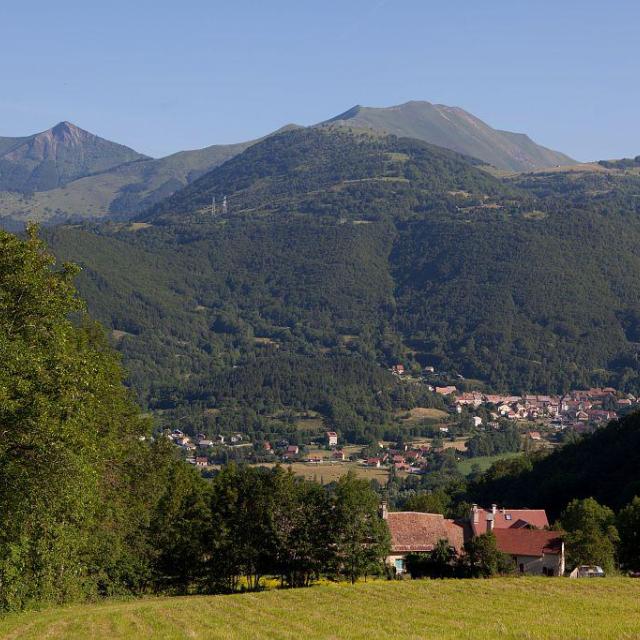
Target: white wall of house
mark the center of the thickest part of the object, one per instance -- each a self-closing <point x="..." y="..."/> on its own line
<point x="539" y="565"/>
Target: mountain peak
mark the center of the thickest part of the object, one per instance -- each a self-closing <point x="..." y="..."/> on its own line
<point x="66" y="132"/>
<point x="63" y="153"/>
<point x="456" y="129"/>
<point x="65" y="125"/>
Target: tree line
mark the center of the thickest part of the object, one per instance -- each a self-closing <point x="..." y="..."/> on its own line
<point x="250" y="522"/>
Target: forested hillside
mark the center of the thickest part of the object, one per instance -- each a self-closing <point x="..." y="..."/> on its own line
<point x="347" y="251"/>
<point x="337" y="172"/>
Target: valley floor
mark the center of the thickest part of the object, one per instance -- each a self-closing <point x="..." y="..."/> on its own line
<point x="524" y="608"/>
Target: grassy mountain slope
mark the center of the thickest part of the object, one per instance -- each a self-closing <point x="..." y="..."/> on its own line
<point x="456" y="129"/>
<point x="428" y="609"/>
<point x="352" y="247"/>
<point x="57" y="156"/>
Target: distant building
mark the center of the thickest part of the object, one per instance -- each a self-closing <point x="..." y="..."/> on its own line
<point x="332" y="438"/>
<point x="446" y="391"/>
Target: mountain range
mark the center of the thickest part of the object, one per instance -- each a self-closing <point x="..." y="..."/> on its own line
<point x="346" y="250"/>
<point x="67" y="174"/>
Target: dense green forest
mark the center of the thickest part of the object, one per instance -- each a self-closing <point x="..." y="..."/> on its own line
<point x="344" y="252"/>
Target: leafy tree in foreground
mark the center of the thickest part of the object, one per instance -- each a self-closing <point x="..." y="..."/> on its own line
<point x="437" y="564"/>
<point x="483" y="559"/>
<point x="591" y="533"/>
<point x="180" y="530"/>
<point x="70" y="516"/>
<point x="629" y="529"/>
<point x="361" y="536"/>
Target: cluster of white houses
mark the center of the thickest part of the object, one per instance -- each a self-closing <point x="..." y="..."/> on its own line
<point x="522" y="534"/>
<point x="576" y="408"/>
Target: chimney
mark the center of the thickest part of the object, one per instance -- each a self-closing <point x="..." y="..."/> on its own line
<point x="383" y="510"/>
<point x="494" y="509"/>
<point x="490" y="522"/>
<point x="475" y="516"/>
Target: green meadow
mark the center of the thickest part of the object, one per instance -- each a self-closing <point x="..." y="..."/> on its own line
<point x="523" y="608"/>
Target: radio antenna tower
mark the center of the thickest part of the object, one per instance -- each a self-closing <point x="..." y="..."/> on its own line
<point x="224" y="205"/>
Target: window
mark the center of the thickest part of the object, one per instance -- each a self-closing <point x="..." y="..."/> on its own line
<point x="399" y="565"/>
<point x="507" y="516"/>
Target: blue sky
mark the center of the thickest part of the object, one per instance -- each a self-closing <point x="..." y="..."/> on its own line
<point x="163" y="76"/>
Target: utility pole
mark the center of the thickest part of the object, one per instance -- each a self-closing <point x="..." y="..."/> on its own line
<point x="213" y="206"/>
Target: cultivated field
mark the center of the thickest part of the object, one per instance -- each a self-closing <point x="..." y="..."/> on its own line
<point x="418" y="414"/>
<point x="523" y="608"/>
<point x="330" y="472"/>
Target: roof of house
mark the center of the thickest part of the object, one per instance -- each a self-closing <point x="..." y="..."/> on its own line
<point x="506" y="518"/>
<point x="413" y="531"/>
<point x="528" y="542"/>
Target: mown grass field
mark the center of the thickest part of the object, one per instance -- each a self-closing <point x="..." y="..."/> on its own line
<point x="484" y="462"/>
<point x="523" y="608"/>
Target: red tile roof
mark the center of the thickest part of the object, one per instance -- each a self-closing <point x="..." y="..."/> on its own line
<point x="528" y="542"/>
<point x="506" y="518"/>
<point x="412" y="531"/>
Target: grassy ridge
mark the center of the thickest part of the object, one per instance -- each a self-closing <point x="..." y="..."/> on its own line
<point x="509" y="608"/>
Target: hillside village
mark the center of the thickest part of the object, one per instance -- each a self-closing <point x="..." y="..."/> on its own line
<point x="540" y="419"/>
